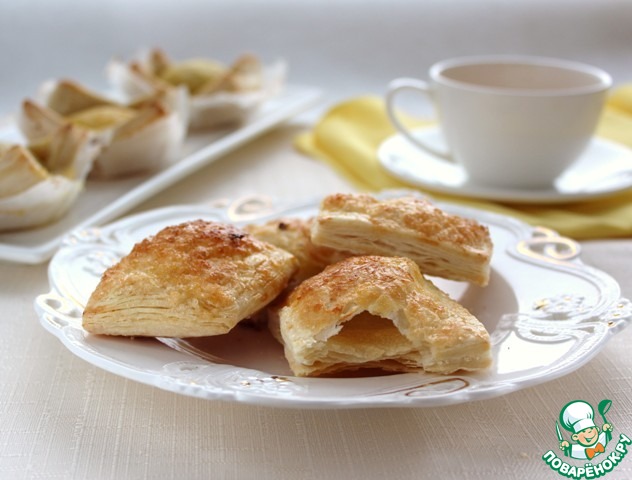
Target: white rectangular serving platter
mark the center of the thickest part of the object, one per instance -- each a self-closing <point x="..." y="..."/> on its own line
<point x="102" y="201"/>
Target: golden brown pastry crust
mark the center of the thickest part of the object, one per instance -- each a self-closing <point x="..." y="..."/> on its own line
<point x="294" y="236"/>
<point x="441" y="244"/>
<point x="194" y="279"/>
<point x="372" y="311"/>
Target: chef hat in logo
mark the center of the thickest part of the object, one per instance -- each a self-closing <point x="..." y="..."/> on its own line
<point x="576" y="416"/>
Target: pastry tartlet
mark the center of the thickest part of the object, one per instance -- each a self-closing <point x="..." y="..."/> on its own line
<point x="140" y="136"/>
<point x="38" y="185"/>
<point x="219" y="94"/>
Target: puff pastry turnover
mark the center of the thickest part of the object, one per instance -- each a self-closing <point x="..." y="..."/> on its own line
<point x="442" y="244"/>
<point x="294" y="235"/>
<point x="378" y="312"/>
<point x="194" y="279"/>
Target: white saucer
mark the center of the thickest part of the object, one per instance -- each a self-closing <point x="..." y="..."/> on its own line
<point x="603" y="169"/>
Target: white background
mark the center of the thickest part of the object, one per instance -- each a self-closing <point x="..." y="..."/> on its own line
<point x="61" y="418"/>
<point x="345" y="46"/>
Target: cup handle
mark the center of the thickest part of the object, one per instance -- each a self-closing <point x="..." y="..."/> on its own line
<point x="396" y="86"/>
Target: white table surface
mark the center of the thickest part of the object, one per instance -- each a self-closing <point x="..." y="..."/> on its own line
<point x="62" y="418"/>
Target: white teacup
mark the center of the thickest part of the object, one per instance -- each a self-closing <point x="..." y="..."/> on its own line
<point x="510" y="121"/>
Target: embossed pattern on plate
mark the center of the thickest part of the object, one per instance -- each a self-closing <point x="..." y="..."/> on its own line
<point x="547" y="313"/>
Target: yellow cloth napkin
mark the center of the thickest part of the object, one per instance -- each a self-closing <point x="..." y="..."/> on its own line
<point x="348" y="135"/>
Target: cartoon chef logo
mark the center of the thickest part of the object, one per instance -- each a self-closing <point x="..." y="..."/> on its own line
<point x="578" y="417"/>
<point x="587" y="442"/>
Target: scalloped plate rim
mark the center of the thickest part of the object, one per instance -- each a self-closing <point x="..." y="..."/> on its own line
<point x="271" y="398"/>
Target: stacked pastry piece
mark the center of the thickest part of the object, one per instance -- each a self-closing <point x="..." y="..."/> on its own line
<point x="345" y="290"/>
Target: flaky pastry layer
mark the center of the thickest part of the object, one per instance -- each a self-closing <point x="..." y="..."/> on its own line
<point x="373" y="311"/>
<point x="194" y="279"/>
<point x="442" y="244"/>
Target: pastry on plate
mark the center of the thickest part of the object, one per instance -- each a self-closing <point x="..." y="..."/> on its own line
<point x="194" y="279"/>
<point x="442" y="244"/>
<point x="377" y="312"/>
<point x="219" y="94"/>
<point x="294" y="235"/>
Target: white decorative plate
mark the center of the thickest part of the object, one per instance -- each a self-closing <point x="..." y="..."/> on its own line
<point x="102" y="201"/>
<point x="605" y="168"/>
<point x="547" y="312"/>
